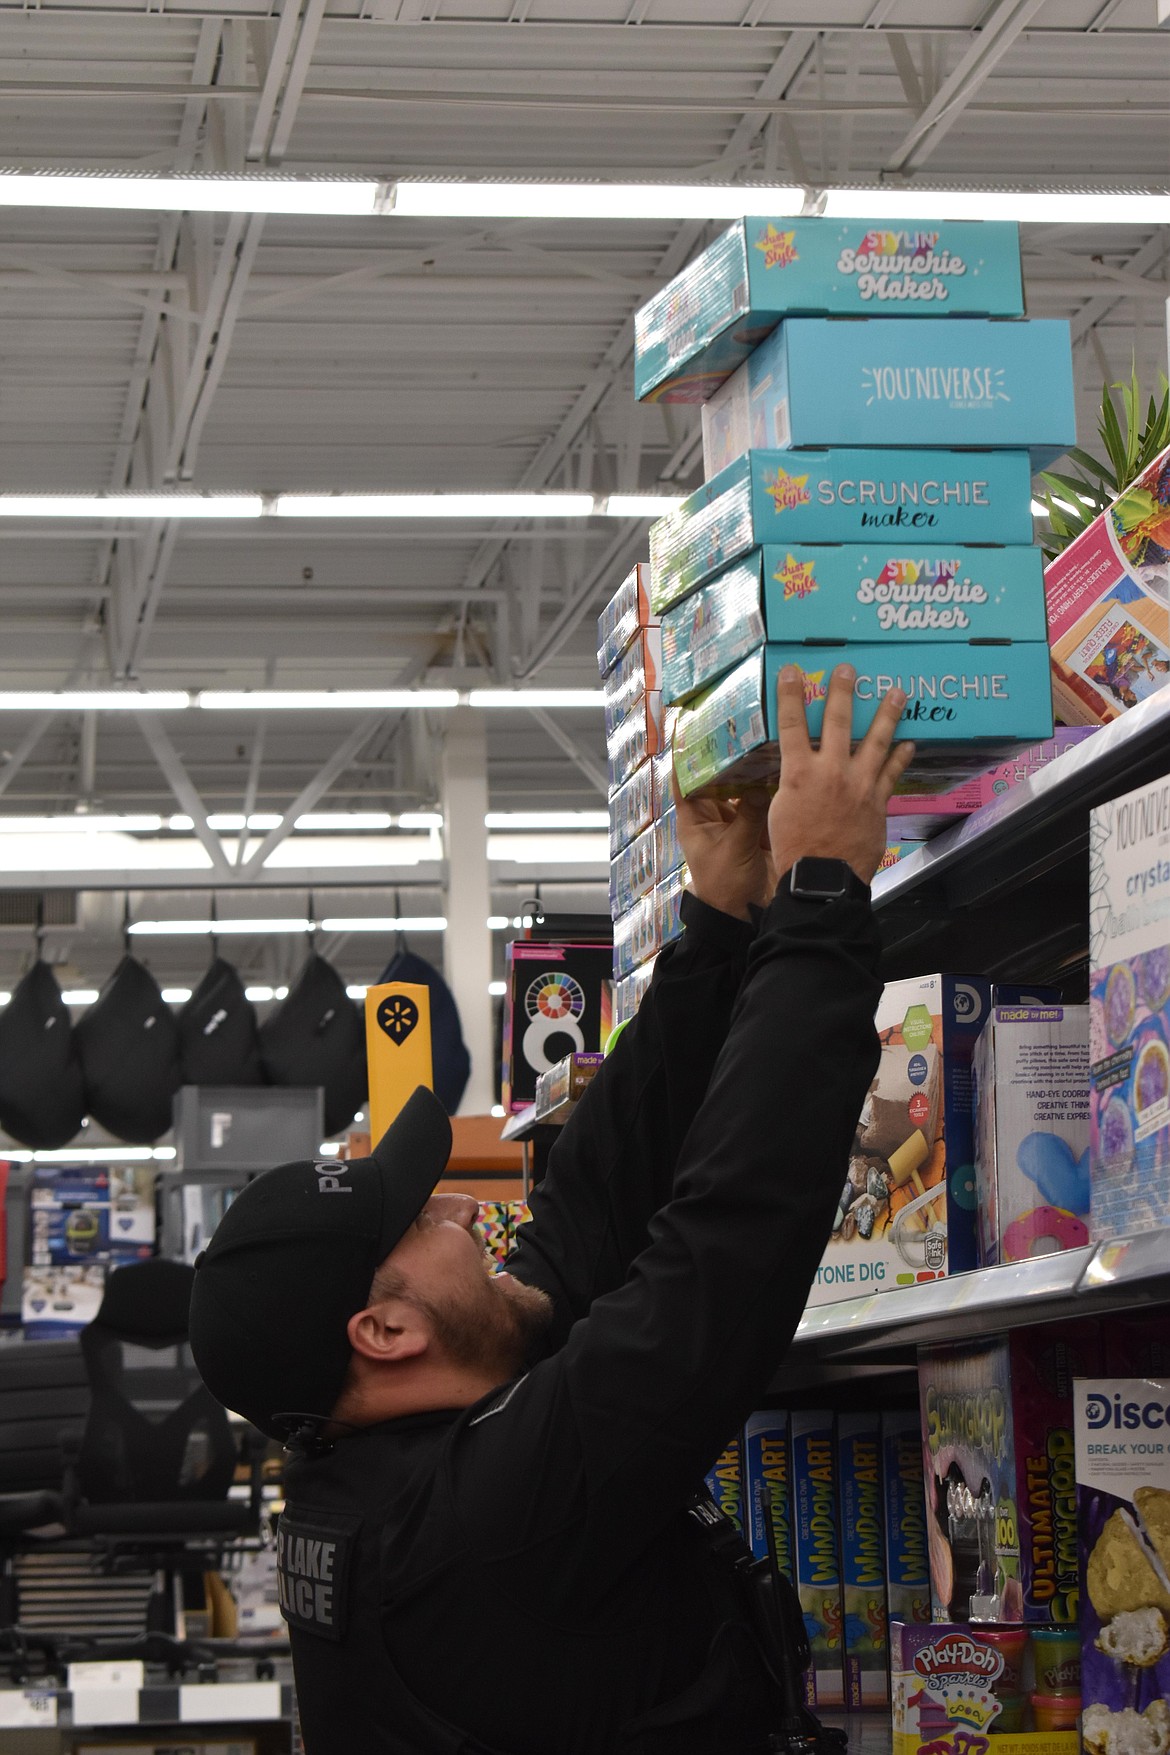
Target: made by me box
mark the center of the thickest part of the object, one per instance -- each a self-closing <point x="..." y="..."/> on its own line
<point x="956" y="1691"/>
<point x="689" y="336"/>
<point x="907" y="1210"/>
<point x="1123" y="1502"/>
<point x="966" y="706"/>
<point x="907" y="1566"/>
<point x="1129" y="1011"/>
<point x="840" y="496"/>
<point x="863" y="1560"/>
<point x="997" y="1448"/>
<point x="1032" y="1131"/>
<point x="1108" y="596"/>
<point x="817" y="1554"/>
<point x="828" y="595"/>
<point x="869" y="381"/>
<point x="627" y="611"/>
<point x="558" y="1003"/>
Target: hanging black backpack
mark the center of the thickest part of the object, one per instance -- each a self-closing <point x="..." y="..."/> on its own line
<point x="128" y="1044"/>
<point x="219" y="1038"/>
<point x="42" y="1092"/>
<point x="317" y="1036"/>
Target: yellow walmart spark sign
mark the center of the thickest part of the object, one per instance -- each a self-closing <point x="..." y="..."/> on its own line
<point x="398" y="1045"/>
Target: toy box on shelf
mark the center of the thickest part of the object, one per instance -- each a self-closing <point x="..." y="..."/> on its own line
<point x="816" y="1552"/>
<point x="638" y="672"/>
<point x="1109" y="604"/>
<point x="918" y="812"/>
<point x="840" y="496"/>
<point x="1129" y="1011"/>
<point x="966" y="706"/>
<point x="697" y="329"/>
<point x="958" y="1689"/>
<point x="559" y="1002"/>
<point x="863" y="1569"/>
<point x="1032" y="1131"/>
<point x="997" y="1446"/>
<point x="907" y="1566"/>
<point x="821" y="381"/>
<point x="1123" y="1498"/>
<point x="627" y="611"/>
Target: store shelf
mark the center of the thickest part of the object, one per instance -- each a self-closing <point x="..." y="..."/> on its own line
<point x="524" y="1125"/>
<point x="170" y="1704"/>
<point x="1007" y="890"/>
<point x="1109" y="1276"/>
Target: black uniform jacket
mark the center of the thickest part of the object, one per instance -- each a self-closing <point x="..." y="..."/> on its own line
<point x="522" y="1567"/>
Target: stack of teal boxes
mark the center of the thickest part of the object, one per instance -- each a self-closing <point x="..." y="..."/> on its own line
<point x="868" y="488"/>
<point x="646" y="874"/>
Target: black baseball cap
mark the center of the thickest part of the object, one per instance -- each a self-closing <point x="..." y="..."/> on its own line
<point x="292" y="1260"/>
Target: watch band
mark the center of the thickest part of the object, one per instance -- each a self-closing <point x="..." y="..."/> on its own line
<point x="823" y="880"/>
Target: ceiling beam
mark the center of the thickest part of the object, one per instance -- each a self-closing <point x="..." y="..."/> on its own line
<point x="167" y="756"/>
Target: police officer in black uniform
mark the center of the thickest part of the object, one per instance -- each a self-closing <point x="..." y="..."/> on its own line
<point x="485" y="1548"/>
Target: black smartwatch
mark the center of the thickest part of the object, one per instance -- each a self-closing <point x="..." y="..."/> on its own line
<point x="824" y="880"/>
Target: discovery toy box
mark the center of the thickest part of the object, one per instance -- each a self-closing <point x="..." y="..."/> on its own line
<point x="966" y="706"/>
<point x="817" y="1558"/>
<point x="1032" y="1131"/>
<point x="690" y="335"/>
<point x="828" y="596"/>
<point x="627" y="611"/>
<point x="1129" y="1017"/>
<point x="907" y="1570"/>
<point x="997" y="1448"/>
<point x="907" y="1209"/>
<point x="1123" y="1499"/>
<point x="820" y="381"/>
<point x="957" y="1690"/>
<point x="1109" y="604"/>
<point x="840" y="496"/>
<point x="863" y="1571"/>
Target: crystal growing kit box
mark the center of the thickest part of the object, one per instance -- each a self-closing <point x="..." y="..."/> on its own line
<point x="870" y="381"/>
<point x="689" y="336"/>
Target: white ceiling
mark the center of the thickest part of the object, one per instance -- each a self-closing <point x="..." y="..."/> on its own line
<point x="381" y="354"/>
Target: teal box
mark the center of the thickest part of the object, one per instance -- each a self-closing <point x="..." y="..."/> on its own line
<point x="818" y="381"/>
<point x="839" y="496"/>
<point x="817" y="1559"/>
<point x="967" y="706"/>
<point x="863" y="1559"/>
<point x="829" y="596"/>
<point x="706" y="320"/>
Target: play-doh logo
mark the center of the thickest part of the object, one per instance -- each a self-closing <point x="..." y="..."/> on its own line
<point x="787" y="491"/>
<point x="815" y="687"/>
<point x="898" y="243"/>
<point x="798" y="578"/>
<point x="779" y="247"/>
<point x="955" y="1659"/>
<point x="958" y="386"/>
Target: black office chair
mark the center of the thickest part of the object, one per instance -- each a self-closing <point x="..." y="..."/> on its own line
<point x="145" y="1489"/>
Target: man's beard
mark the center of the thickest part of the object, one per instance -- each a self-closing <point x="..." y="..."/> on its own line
<point x="502" y="1333"/>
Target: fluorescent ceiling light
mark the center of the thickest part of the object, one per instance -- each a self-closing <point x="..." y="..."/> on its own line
<point x="176" y="995"/>
<point x="131" y="506"/>
<point x="420" y="819"/>
<point x="497" y="922"/>
<point x="385" y="923"/>
<point x="259" y="995"/>
<point x="228" y="823"/>
<point x="497" y="988"/>
<point x="329" y="1148"/>
<point x="357" y="993"/>
<point x="81" y="825"/>
<point x="536" y="698"/>
<point x="468" y="200"/>
<point x="94" y="1155"/>
<point x="196" y="194"/>
<point x="342" y="820"/>
<point x="550" y="849"/>
<point x="324" y="700"/>
<point x="503" y="505"/>
<point x="4" y="998"/>
<point x="79" y="995"/>
<point x="1029" y="206"/>
<point x="94" y="701"/>
<point x="215" y="928"/>
<point x="546" y="819"/>
<point x="641" y="505"/>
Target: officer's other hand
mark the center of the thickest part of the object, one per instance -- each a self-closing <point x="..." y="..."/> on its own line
<point x="726" y="846"/>
<point x="831" y="802"/>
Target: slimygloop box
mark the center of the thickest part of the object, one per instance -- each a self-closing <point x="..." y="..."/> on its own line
<point x="871" y="381"/>
<point x="1129" y="1011"/>
<point x="689" y="336"/>
<point x="839" y="496"/>
<point x="966" y="706"/>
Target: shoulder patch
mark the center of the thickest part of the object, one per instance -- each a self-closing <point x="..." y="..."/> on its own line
<point x="314" y="1557"/>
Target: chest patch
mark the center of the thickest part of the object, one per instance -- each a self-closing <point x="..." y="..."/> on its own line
<point x="314" y="1555"/>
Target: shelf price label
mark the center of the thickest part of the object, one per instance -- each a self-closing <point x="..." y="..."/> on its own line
<point x="27" y="1709"/>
